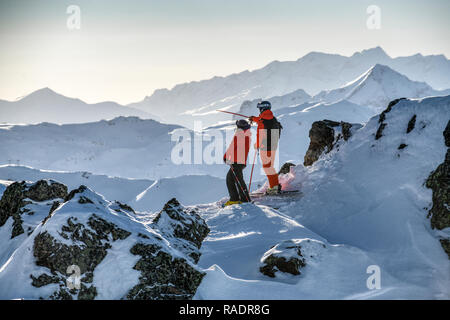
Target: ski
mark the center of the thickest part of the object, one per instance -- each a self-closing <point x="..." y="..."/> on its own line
<point x="281" y="194"/>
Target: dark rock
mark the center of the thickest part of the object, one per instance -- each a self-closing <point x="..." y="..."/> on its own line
<point x="286" y="168"/>
<point x="275" y="261"/>
<point x="439" y="182"/>
<point x="322" y="138"/>
<point x="388" y="109"/>
<point x="402" y="146"/>
<point x="84" y="200"/>
<point x="346" y="130"/>
<point x="72" y="193"/>
<point x="411" y="124"/>
<point x="43" y="280"/>
<point x="125" y="207"/>
<point x="273" y="264"/>
<point x="446" y="245"/>
<point x="163" y="277"/>
<point x="447" y="134"/>
<point x="88" y="250"/>
<point x="42" y="191"/>
<point x="379" y="132"/>
<point x="55" y="206"/>
<point x="382" y="117"/>
<point x="14" y="200"/>
<point x="182" y="224"/>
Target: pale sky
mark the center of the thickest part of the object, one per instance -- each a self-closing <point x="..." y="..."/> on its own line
<point x="126" y="49"/>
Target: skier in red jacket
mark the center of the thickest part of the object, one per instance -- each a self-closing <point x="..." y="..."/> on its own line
<point x="268" y="135"/>
<point x="236" y="156"/>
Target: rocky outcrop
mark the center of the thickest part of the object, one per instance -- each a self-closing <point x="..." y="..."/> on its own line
<point x="323" y="138"/>
<point x="183" y="226"/>
<point x="162" y="275"/>
<point x="289" y="256"/>
<point x="439" y="182"/>
<point x="90" y="243"/>
<point x="80" y="227"/>
<point x="19" y="194"/>
<point x="382" y="117"/>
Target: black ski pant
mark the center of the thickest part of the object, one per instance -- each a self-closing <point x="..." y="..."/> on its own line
<point x="236" y="184"/>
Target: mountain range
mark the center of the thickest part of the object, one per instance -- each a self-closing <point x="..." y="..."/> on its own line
<point x="313" y="73"/>
<point x="46" y="105"/>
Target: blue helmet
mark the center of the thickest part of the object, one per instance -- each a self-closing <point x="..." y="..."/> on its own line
<point x="243" y="124"/>
<point x="264" y="105"/>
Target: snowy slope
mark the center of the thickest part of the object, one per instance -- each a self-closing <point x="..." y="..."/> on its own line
<point x="189" y="190"/>
<point x="45" y="105"/>
<point x="368" y="198"/>
<point x="113" y="188"/>
<point x="125" y="147"/>
<point x="142" y="195"/>
<point x="314" y="72"/>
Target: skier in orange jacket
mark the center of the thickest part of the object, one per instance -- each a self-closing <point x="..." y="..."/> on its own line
<point x="267" y="137"/>
<point x="236" y="156"/>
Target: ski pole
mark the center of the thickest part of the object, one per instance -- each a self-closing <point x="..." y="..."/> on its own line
<point x="239" y="184"/>
<point x="236" y="114"/>
<point x="251" y="174"/>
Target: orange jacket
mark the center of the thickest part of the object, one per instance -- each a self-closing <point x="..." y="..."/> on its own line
<point x="261" y="135"/>
<point x="239" y="147"/>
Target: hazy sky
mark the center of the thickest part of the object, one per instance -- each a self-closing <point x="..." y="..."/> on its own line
<point x="126" y="49"/>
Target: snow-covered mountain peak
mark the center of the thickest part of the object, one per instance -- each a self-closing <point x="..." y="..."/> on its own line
<point x="377" y="53"/>
<point x="45" y="95"/>
<point x="376" y="87"/>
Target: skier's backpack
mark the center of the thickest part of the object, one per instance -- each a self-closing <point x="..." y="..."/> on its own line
<point x="272" y="126"/>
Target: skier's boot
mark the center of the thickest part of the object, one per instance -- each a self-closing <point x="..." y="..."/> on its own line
<point x="274" y="190"/>
<point x="230" y="203"/>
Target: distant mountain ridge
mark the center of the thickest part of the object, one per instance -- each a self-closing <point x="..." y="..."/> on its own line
<point x="46" y="105"/>
<point x="313" y="73"/>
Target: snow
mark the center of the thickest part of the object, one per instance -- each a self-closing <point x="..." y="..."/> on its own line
<point x="123" y="147"/>
<point x="369" y="203"/>
<point x="114" y="188"/>
<point x="375" y="88"/>
<point x="188" y="190"/>
<point x="114" y="276"/>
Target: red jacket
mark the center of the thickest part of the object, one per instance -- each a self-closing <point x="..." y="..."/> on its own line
<point x="239" y="147"/>
<point x="261" y="135"/>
